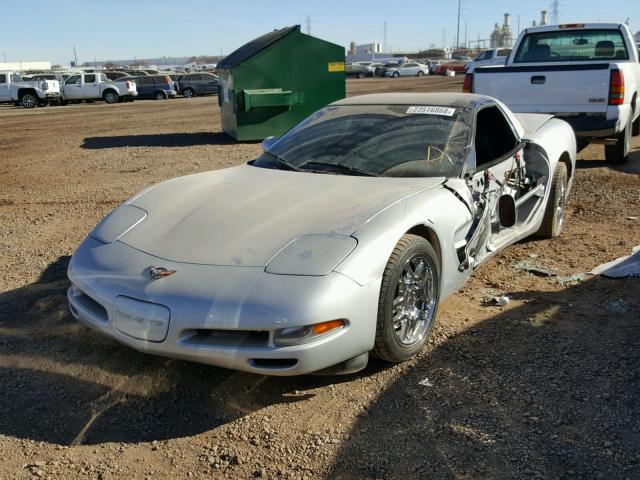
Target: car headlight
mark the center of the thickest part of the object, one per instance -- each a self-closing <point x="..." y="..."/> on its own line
<point x="305" y="334"/>
<point x="313" y="255"/>
<point x="117" y="223"/>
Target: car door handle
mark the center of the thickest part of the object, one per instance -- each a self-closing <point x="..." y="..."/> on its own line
<point x="538" y="79"/>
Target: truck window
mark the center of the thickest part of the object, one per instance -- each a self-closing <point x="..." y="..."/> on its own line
<point x="575" y="45"/>
<point x="89" y="78"/>
<point x="3" y="78"/>
<point x="15" y="77"/>
<point x="504" y="52"/>
<point x="494" y="136"/>
<point x="72" y="80"/>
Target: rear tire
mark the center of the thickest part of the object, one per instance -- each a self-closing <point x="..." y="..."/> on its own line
<point x="408" y="301"/>
<point x="395" y="75"/>
<point x="110" y="96"/>
<point x="29" y="100"/>
<point x="160" y="96"/>
<point x="619" y="152"/>
<point x="553" y="220"/>
<point x="188" y="93"/>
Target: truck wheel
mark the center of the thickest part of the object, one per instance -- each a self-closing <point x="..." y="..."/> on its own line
<point x="110" y="96"/>
<point x="160" y="96"/>
<point x="29" y="100"/>
<point x="553" y="219"/>
<point x="408" y="300"/>
<point x="188" y="93"/>
<point x="619" y="152"/>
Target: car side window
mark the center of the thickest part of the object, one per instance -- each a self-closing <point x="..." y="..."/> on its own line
<point x="89" y="78"/>
<point x="494" y="136"/>
<point x="74" y="79"/>
<point x="504" y="52"/>
<point x="3" y="78"/>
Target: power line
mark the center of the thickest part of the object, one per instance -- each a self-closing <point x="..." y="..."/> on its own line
<point x="384" y="36"/>
<point x="555" y="12"/>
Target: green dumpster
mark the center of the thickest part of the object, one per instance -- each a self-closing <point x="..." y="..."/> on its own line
<point x="276" y="80"/>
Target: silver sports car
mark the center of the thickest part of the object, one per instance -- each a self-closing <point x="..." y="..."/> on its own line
<point x="339" y="241"/>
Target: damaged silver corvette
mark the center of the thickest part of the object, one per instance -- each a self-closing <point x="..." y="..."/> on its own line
<point x="339" y="241"/>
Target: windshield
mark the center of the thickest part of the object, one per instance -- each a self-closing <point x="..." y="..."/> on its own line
<point x="575" y="45"/>
<point x="376" y="140"/>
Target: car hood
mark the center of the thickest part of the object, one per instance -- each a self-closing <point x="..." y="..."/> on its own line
<point x="244" y="215"/>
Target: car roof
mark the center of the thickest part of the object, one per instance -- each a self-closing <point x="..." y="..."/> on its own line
<point x="443" y="99"/>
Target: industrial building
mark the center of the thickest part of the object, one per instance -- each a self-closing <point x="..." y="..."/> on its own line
<point x="501" y="37"/>
<point x="25" y="66"/>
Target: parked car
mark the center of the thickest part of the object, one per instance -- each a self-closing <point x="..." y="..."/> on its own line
<point x="407" y="69"/>
<point x="381" y="69"/>
<point x="157" y="87"/>
<point x="29" y="94"/>
<point x="95" y="86"/>
<point x="456" y="66"/>
<point x="116" y="74"/>
<point x="208" y="269"/>
<point x="192" y="84"/>
<point x="588" y="74"/>
<point x="493" y="56"/>
<point x="136" y="73"/>
<point x="357" y="70"/>
<point x="433" y="66"/>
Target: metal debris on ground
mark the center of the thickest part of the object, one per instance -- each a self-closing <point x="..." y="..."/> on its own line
<point x="425" y="383"/>
<point x="628" y="266"/>
<point x="574" y="278"/>
<point x="531" y="267"/>
<point x="500" y="300"/>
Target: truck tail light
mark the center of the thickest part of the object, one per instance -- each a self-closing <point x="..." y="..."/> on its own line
<point x="616" y="88"/>
<point x="467" y="86"/>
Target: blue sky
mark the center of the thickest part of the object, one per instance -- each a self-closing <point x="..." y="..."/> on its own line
<point x="124" y="29"/>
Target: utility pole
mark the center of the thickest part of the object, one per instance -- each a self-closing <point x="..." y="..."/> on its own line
<point x="444" y="38"/>
<point x="518" y="32"/>
<point x="385" y="46"/>
<point x="458" y="29"/>
<point x="555" y="12"/>
<point x="465" y="35"/>
<point x="5" y="57"/>
<point x="308" y="25"/>
<point x="75" y="56"/>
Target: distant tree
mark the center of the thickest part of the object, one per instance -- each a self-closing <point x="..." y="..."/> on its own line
<point x="110" y="65"/>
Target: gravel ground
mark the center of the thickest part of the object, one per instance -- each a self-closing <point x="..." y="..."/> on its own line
<point x="546" y="387"/>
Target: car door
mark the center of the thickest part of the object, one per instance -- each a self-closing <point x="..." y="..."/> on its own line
<point x="5" y="91"/>
<point x="90" y="86"/>
<point x="144" y="86"/>
<point x="498" y="156"/>
<point x="209" y="84"/>
<point x="72" y="87"/>
<point x="409" y="69"/>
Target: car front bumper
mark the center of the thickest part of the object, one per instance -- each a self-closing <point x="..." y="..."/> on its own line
<point x="219" y="315"/>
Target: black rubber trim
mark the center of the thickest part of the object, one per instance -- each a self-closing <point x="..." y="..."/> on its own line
<point x="543" y="68"/>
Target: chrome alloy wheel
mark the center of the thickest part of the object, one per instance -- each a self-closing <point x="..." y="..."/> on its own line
<point x="29" y="100"/>
<point x="414" y="303"/>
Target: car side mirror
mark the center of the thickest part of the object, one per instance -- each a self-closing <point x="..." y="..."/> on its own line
<point x="268" y="142"/>
<point x="507" y="210"/>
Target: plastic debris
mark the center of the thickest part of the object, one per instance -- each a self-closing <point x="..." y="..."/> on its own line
<point x="425" y="383"/>
<point x="500" y="300"/>
<point x="628" y="266"/>
<point x="530" y="267"/>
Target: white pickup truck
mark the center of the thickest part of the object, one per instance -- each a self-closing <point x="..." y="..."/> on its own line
<point x="28" y="94"/>
<point x="492" y="56"/>
<point x="586" y="74"/>
<point x="95" y="86"/>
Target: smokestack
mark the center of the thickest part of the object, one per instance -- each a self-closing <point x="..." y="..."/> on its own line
<point x="533" y="24"/>
<point x="543" y="17"/>
<point x="506" y="19"/>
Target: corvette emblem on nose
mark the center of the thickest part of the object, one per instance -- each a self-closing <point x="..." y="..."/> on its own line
<point x="156" y="273"/>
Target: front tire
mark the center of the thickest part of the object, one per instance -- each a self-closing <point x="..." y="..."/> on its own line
<point x="553" y="219"/>
<point x="160" y="96"/>
<point x="29" y="100"/>
<point x="420" y="73"/>
<point x="619" y="152"/>
<point x="110" y="97"/>
<point x="408" y="301"/>
<point x="188" y="93"/>
<point x="395" y="75"/>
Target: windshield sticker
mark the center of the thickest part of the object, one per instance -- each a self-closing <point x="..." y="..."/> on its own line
<point x="424" y="110"/>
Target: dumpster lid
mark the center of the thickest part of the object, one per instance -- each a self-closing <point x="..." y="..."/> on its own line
<point x="255" y="46"/>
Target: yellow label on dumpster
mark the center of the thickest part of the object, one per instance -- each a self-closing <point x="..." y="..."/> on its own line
<point x="336" y="66"/>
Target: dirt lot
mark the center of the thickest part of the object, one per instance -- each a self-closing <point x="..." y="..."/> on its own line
<point x="546" y="387"/>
